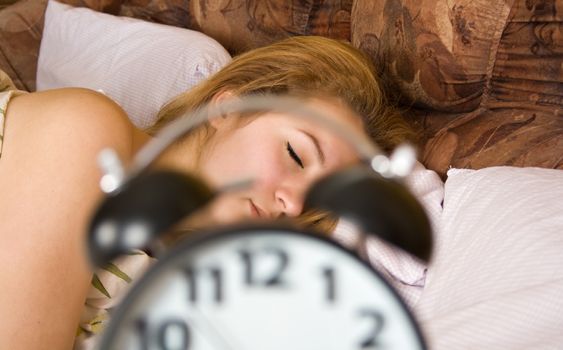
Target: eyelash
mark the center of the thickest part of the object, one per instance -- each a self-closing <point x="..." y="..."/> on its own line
<point x="294" y="155"/>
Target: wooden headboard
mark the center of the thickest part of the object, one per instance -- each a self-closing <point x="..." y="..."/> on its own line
<point x="482" y="80"/>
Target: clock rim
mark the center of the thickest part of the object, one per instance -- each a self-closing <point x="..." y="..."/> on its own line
<point x="206" y="235"/>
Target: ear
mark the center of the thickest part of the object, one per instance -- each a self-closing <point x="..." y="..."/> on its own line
<point x="219" y="121"/>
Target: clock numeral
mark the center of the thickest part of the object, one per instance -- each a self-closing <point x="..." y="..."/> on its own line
<point x="275" y="279"/>
<point x="192" y="287"/>
<point x="217" y="276"/>
<point x="370" y="341"/>
<point x="192" y="278"/>
<point x="172" y="334"/>
<point x="141" y="328"/>
<point x="329" y="275"/>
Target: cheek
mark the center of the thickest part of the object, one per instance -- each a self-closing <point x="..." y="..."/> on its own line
<point x="224" y="210"/>
<point x="242" y="157"/>
<point x="228" y="209"/>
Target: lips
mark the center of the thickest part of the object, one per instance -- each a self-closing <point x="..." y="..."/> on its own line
<point x="255" y="210"/>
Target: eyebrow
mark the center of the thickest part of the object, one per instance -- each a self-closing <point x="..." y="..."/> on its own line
<point x="315" y="141"/>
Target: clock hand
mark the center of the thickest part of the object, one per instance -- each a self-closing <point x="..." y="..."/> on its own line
<point x="217" y="335"/>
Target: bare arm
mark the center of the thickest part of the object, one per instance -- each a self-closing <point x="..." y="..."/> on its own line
<point x="48" y="187"/>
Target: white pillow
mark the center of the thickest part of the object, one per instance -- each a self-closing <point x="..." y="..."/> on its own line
<point x="496" y="279"/>
<point x="141" y="65"/>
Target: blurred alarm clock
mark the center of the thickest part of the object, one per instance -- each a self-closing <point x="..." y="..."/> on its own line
<point x="257" y="286"/>
<point x="262" y="287"/>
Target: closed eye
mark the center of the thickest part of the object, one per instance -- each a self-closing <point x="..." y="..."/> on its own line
<point x="294" y="155"/>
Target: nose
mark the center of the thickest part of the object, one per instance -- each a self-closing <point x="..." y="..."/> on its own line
<point x="289" y="200"/>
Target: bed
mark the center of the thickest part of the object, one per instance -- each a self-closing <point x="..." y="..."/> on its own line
<point x="482" y="81"/>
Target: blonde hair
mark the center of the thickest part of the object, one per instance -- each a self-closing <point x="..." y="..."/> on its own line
<point x="302" y="66"/>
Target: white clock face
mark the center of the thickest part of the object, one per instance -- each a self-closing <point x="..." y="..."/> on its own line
<point x="262" y="288"/>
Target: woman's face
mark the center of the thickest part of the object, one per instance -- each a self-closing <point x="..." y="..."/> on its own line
<point x="281" y="154"/>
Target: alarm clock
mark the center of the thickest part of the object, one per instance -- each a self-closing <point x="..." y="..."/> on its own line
<point x="262" y="287"/>
<point x="258" y="285"/>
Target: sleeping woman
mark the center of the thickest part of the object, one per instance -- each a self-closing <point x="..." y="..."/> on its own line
<point x="49" y="177"/>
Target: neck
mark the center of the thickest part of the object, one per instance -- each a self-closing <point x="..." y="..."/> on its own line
<point x="140" y="138"/>
<point x="182" y="155"/>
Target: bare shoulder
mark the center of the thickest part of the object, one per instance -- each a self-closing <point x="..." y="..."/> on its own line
<point x="64" y="128"/>
<point x="74" y="112"/>
<point x="49" y="185"/>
